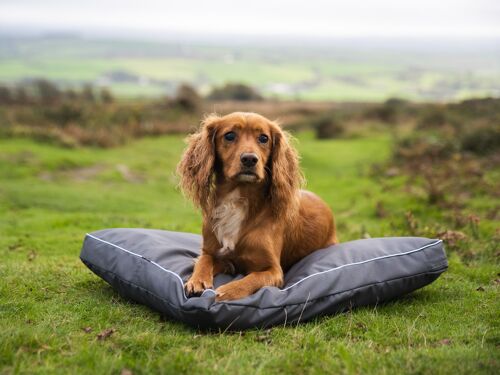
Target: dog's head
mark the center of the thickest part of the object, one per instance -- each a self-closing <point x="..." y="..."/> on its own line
<point x="243" y="145"/>
<point x="245" y="148"/>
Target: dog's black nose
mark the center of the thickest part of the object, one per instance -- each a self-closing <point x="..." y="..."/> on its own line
<point x="249" y="159"/>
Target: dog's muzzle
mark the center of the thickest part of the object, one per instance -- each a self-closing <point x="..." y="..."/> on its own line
<point x="249" y="159"/>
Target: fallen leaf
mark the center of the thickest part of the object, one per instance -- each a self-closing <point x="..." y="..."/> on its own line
<point x="105" y="334"/>
<point x="87" y="329"/>
<point x="126" y="371"/>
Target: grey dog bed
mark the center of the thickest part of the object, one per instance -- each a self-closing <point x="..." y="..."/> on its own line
<point x="151" y="266"/>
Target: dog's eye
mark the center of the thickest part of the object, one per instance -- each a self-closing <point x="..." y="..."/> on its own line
<point x="230" y="136"/>
<point x="263" y="138"/>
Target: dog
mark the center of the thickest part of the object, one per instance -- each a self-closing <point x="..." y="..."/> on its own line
<point x="242" y="171"/>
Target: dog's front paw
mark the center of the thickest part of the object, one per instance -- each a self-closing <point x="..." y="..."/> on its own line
<point x="195" y="287"/>
<point x="230" y="291"/>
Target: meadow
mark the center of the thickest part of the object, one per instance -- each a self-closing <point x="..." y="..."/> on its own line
<point x="58" y="317"/>
<point x="355" y="70"/>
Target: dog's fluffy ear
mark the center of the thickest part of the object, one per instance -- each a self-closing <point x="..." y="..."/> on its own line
<point x="196" y="168"/>
<point x="286" y="177"/>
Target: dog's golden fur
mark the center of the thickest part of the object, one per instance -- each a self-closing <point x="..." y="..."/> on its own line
<point x="256" y="220"/>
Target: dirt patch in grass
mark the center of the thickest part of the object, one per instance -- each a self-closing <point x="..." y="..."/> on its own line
<point x="79" y="174"/>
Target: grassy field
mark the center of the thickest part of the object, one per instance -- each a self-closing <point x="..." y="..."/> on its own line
<point x="355" y="71"/>
<point x="52" y="308"/>
<point x="205" y="74"/>
<point x="329" y="79"/>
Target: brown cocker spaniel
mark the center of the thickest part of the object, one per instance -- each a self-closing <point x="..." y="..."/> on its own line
<point x="243" y="173"/>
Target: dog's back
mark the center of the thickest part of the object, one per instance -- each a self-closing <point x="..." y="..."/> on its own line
<point x="313" y="229"/>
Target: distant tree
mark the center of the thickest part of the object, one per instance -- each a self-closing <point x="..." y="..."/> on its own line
<point x="65" y="113"/>
<point x="481" y="140"/>
<point x="187" y="98"/>
<point x="88" y="93"/>
<point x="433" y="116"/>
<point x="106" y="96"/>
<point x="21" y="96"/>
<point x="396" y="102"/>
<point x="327" y="126"/>
<point x="48" y="93"/>
<point x="234" y="91"/>
<point x="391" y="111"/>
<point x="5" y="95"/>
<point x="71" y="95"/>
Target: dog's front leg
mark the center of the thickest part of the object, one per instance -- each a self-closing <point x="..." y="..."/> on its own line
<point x="202" y="277"/>
<point x="250" y="284"/>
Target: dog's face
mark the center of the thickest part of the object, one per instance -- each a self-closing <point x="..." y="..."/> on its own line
<point x="245" y="148"/>
<point x="243" y="145"/>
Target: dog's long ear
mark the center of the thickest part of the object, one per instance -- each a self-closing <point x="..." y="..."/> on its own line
<point x="286" y="177"/>
<point x="196" y="168"/>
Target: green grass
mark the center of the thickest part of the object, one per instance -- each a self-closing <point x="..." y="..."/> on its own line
<point x="50" y="197"/>
<point x="177" y="69"/>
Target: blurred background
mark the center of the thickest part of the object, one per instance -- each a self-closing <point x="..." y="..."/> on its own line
<point x="314" y="51"/>
<point x="190" y="56"/>
<point x="420" y="79"/>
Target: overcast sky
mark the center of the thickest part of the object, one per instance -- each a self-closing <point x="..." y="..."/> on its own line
<point x="308" y="18"/>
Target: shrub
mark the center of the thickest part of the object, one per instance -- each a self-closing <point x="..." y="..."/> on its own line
<point x="47" y="92"/>
<point x="432" y="117"/>
<point x="88" y="94"/>
<point x="396" y="102"/>
<point x="234" y="91"/>
<point x="187" y="98"/>
<point x="21" y="96"/>
<point x="390" y="111"/>
<point x="70" y="95"/>
<point x="474" y="108"/>
<point x="424" y="148"/>
<point x="5" y="95"/>
<point x="328" y="127"/>
<point x="436" y="116"/>
<point x="481" y="140"/>
<point x="106" y="96"/>
<point x="64" y="114"/>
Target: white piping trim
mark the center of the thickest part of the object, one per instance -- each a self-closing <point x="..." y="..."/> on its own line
<point x="362" y="262"/>
<point x="140" y="256"/>
<point x="282" y="290"/>
<point x="153" y="262"/>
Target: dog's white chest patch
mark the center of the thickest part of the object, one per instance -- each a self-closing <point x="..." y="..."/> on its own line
<point x="227" y="219"/>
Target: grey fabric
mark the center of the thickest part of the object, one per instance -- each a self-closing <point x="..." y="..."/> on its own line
<point x="151" y="266"/>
